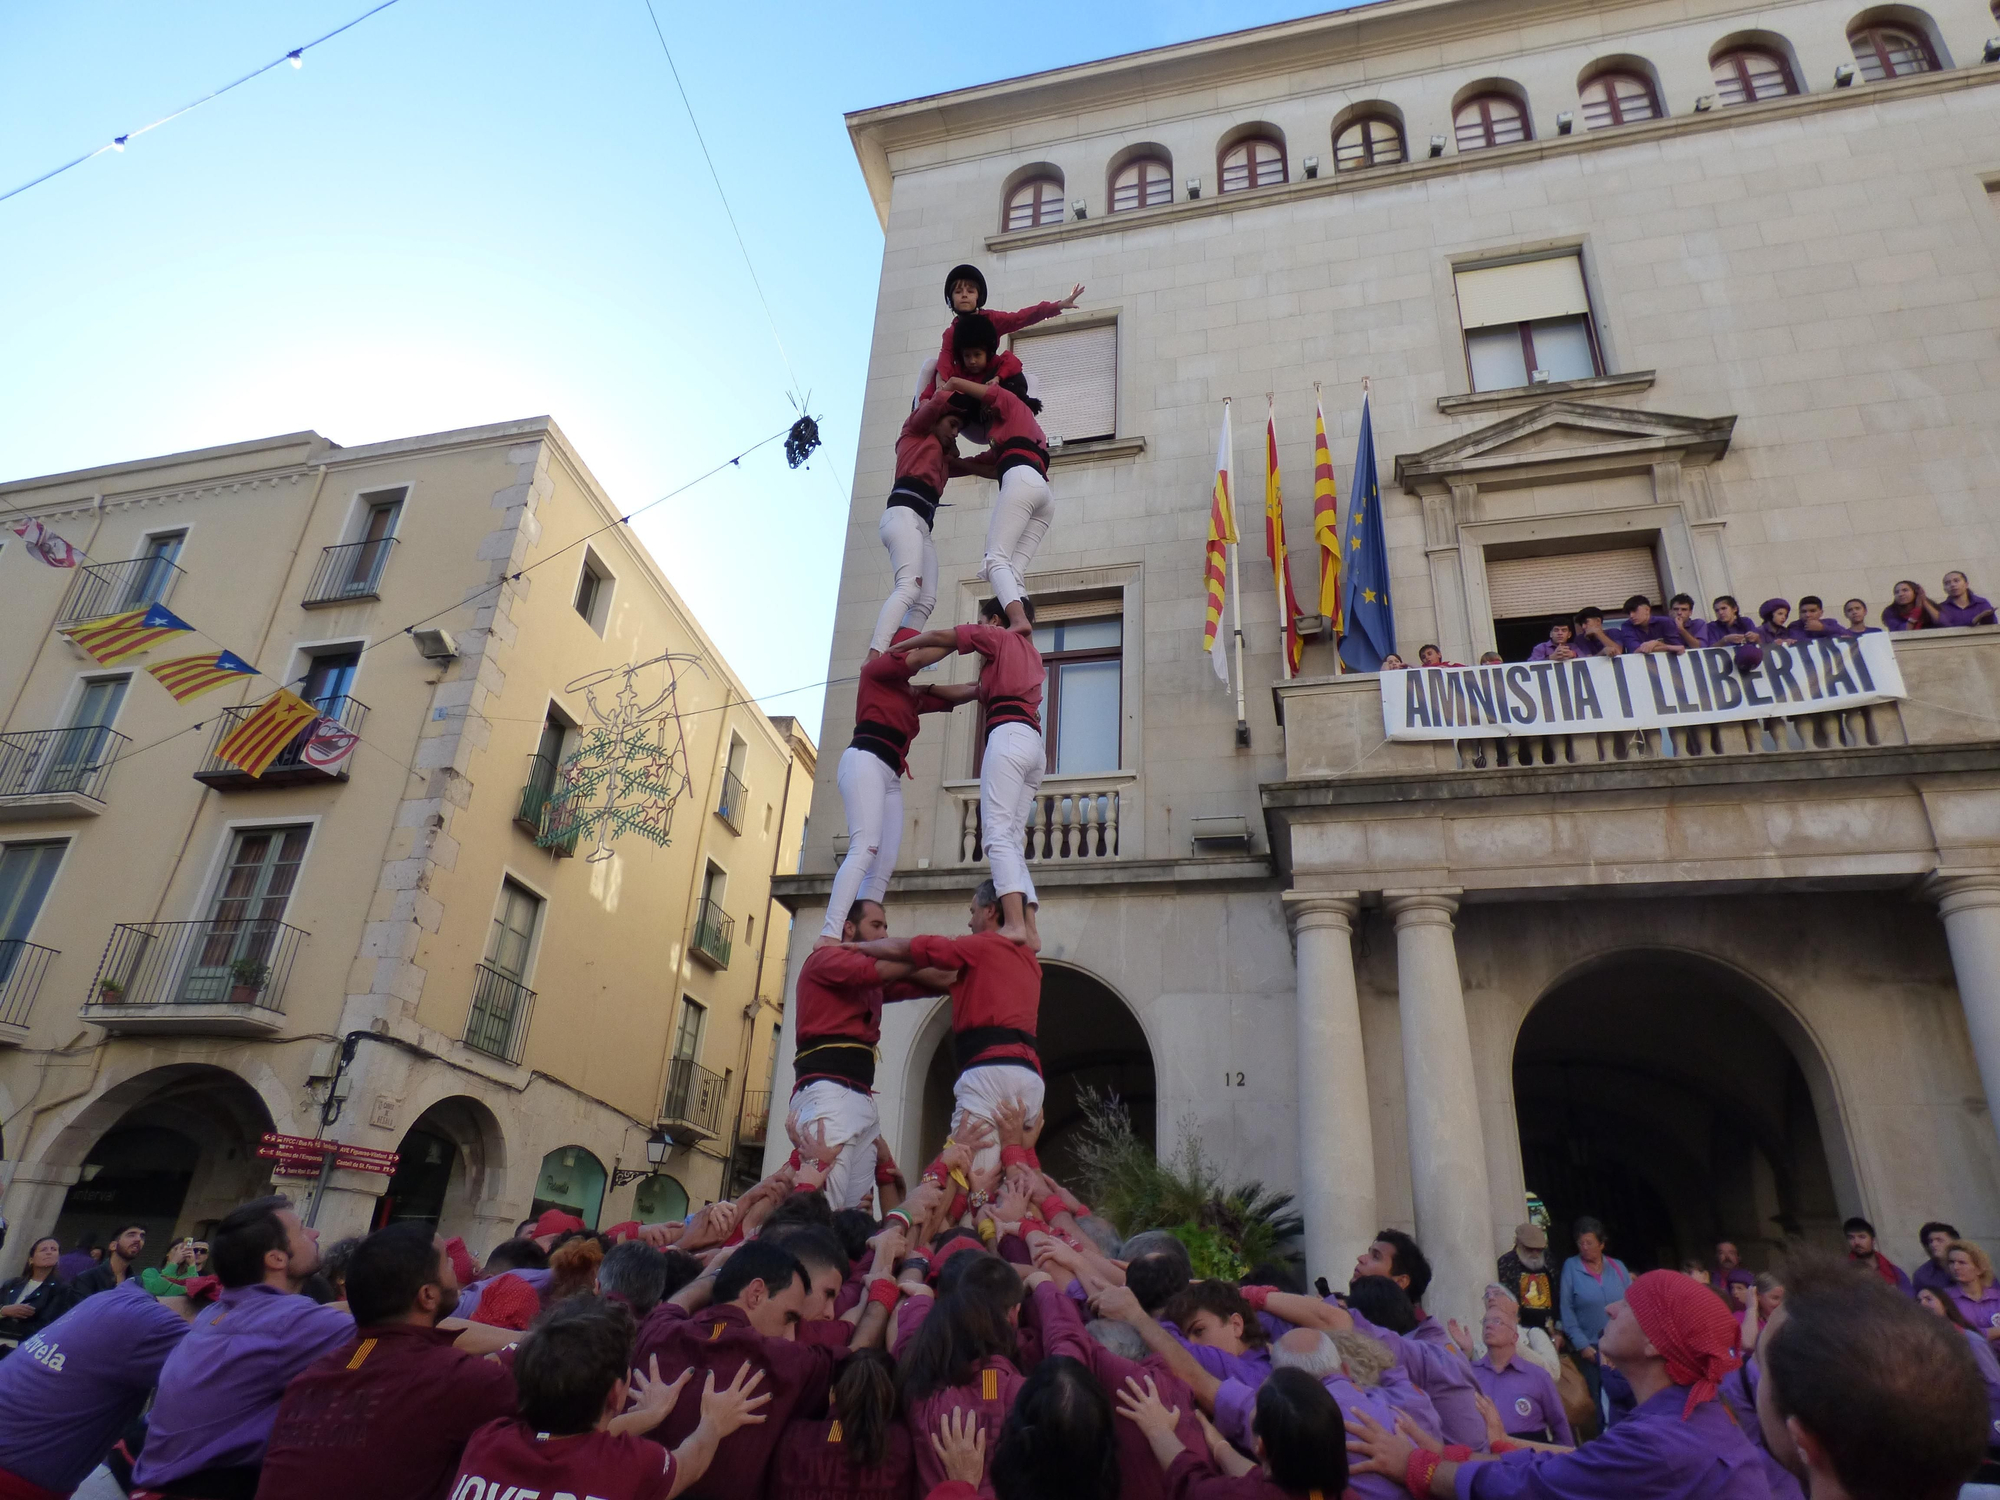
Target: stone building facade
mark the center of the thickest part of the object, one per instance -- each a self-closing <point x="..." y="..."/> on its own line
<point x="1650" y="299"/>
<point x="194" y="957"/>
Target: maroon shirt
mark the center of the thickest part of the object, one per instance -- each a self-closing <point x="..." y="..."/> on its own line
<point x="510" y="1458"/>
<point x="1003" y="323"/>
<point x="814" y="1463"/>
<point x="1011" y="668"/>
<point x="840" y="996"/>
<point x="919" y="454"/>
<point x="796" y="1376"/>
<point x="886" y="710"/>
<point x="1012" y="433"/>
<point x="999" y="984"/>
<point x="387" y="1416"/>
<point x="1195" y="1477"/>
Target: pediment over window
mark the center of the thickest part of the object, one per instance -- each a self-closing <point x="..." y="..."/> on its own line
<point x="1564" y="440"/>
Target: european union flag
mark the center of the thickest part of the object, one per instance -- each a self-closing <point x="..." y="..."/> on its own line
<point x="1371" y="621"/>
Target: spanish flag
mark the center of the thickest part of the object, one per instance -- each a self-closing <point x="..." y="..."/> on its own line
<point x="1221" y="537"/>
<point x="1274" y="548"/>
<point x="1326" y="521"/>
<point x="190" y="676"/>
<point x="253" y="744"/>
<point x="117" y="637"/>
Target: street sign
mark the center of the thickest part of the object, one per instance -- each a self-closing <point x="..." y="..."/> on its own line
<point x="303" y="1156"/>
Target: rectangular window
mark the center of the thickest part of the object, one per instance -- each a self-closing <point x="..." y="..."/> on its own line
<point x="330" y="678"/>
<point x="153" y="575"/>
<point x="26" y="872"/>
<point x="1082" y="692"/>
<point x="1532" y="594"/>
<point x="687" y="1035"/>
<point x="734" y="796"/>
<point x="593" y="592"/>
<point x="378" y="534"/>
<point x="1075" y="375"/>
<point x="512" y="941"/>
<point x="1527" y="323"/>
<point x="86" y="741"/>
<point x="245" y="916"/>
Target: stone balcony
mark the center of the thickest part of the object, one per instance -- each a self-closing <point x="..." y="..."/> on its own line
<point x="1882" y="795"/>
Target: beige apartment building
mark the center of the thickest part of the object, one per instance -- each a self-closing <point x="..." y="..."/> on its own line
<point x="521" y="935"/>
<point x="1652" y="299"/>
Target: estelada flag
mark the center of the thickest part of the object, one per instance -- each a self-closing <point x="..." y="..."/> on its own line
<point x="1221" y="536"/>
<point x="252" y="745"/>
<point x="116" y="637"/>
<point x="1274" y="548"/>
<point x="190" y="676"/>
<point x="1326" y="521"/>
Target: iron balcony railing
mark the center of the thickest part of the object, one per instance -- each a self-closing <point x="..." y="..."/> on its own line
<point x="714" y="932"/>
<point x="501" y="1007"/>
<point x="694" y="1097"/>
<point x="534" y="811"/>
<point x="38" y="762"/>
<point x="289" y="768"/>
<point x="243" y="961"/>
<point x="111" y="588"/>
<point x="348" y="572"/>
<point x="729" y="806"/>
<point x="756" y="1118"/>
<point x="22" y="966"/>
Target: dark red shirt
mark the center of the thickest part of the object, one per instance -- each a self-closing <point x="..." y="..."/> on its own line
<point x="999" y="984"/>
<point x="840" y="995"/>
<point x="1010" y="665"/>
<point x="1003" y="323"/>
<point x="919" y="454"/>
<point x="1195" y="1477"/>
<point x="814" y="1463"/>
<point x="510" y="1458"/>
<point x="1012" y="433"/>
<point x="720" y="1339"/>
<point x="388" y="1416"/>
<point x="886" y="708"/>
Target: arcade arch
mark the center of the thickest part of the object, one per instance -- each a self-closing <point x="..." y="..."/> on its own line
<point x="449" y="1161"/>
<point x="1679" y="1101"/>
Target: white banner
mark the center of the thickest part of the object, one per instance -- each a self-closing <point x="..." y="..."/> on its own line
<point x="1640" y="690"/>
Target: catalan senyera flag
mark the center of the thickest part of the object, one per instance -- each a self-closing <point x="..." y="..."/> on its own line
<point x="1221" y="536"/>
<point x="1326" y="521"/>
<point x="1274" y="548"/>
<point x="252" y="745"/>
<point x="190" y="676"/>
<point x="116" y="637"/>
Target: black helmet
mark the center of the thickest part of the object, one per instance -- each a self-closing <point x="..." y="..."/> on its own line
<point x="964" y="273"/>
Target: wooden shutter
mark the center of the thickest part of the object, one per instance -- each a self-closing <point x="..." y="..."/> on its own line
<point x="1522" y="292"/>
<point x="1522" y="587"/>
<point x="1075" y="372"/>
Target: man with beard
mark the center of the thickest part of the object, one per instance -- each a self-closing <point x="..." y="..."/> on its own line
<point x="1524" y="1271"/>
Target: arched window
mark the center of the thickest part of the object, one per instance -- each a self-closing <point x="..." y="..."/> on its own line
<point x="1255" y="162"/>
<point x="1750" y="73"/>
<point x="1891" y="52"/>
<point x="1371" y="141"/>
<point x="1143" y="182"/>
<point x="1490" y="120"/>
<point x="1618" y="99"/>
<point x="1036" y="202"/>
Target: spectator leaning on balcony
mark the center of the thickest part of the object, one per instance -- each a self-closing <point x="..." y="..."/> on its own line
<point x="1685" y="628"/>
<point x="1394" y="663"/>
<point x="1909" y="609"/>
<point x="1812" y="620"/>
<point x="1727" y="627"/>
<point x="1557" y="647"/>
<point x="1775" y="617"/>
<point x="1961" y="606"/>
<point x="1856" y="611"/>
<point x="1641" y="632"/>
<point x="1430" y="656"/>
<point x="1591" y="638"/>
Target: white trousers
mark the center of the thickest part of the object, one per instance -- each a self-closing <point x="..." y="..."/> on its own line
<point x="982" y="1090"/>
<point x="913" y="558"/>
<point x="852" y="1124"/>
<point x="1020" y="521"/>
<point x="1010" y="778"/>
<point x="873" y="796"/>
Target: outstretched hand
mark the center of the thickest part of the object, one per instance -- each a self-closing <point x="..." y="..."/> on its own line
<point x="960" y="1444"/>
<point x="735" y="1405"/>
<point x="654" y="1397"/>
<point x="1142" y="1406"/>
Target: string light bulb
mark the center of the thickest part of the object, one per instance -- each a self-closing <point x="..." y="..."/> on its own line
<point x="297" y="57"/>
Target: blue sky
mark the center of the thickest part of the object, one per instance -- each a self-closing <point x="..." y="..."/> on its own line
<point x="461" y="213"/>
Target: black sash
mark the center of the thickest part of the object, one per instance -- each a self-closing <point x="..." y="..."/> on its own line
<point x="1015" y="451"/>
<point x="969" y="1043"/>
<point x="885" y="742"/>
<point x="919" y="495"/>
<point x="843" y="1059"/>
<point x="1005" y="708"/>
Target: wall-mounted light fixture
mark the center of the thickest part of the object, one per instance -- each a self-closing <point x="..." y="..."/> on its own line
<point x="1312" y="166"/>
<point x="1194" y="187"/>
<point x="1437" y="145"/>
<point x="1565" y="123"/>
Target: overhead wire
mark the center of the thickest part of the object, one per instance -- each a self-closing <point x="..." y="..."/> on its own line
<point x="295" y="57"/>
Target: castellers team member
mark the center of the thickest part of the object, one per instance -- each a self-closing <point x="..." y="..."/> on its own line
<point x="926" y="457"/>
<point x="871" y="771"/>
<point x="841" y="992"/>
<point x="1019" y="453"/>
<point x="1010" y="771"/>
<point x="965" y="292"/>
<point x="996" y="1003"/>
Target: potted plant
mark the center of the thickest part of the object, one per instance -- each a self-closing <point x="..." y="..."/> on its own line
<point x="246" y="978"/>
<point x="109" y="992"/>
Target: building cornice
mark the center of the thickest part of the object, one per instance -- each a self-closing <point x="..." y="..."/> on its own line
<point x="1113" y="877"/>
<point x="1427" y="168"/>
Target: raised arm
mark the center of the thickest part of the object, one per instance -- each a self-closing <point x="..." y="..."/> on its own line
<point x="1119" y="1302"/>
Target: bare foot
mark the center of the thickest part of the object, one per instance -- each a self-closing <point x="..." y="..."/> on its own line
<point x="1015" y="932"/>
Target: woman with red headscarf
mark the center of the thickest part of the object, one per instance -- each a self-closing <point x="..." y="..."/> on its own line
<point x="1674" y="1341"/>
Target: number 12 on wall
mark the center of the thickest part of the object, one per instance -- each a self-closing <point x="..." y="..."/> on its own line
<point x="1231" y="1080"/>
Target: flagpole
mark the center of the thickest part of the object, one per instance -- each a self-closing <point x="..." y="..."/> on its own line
<point x="1236" y="602"/>
<point x="1270" y="533"/>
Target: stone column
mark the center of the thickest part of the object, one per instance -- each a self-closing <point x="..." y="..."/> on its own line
<point x="1336" y="1140"/>
<point x="1447" y="1143"/>
<point x="1970" y="906"/>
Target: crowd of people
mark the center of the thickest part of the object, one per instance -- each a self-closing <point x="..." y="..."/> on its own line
<point x="1681" y="629"/>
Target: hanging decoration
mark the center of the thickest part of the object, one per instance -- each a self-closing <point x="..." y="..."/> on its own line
<point x="632" y="766"/>
<point x="51" y="548"/>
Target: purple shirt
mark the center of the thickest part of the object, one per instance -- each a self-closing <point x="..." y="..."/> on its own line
<point x="1989" y="1371"/>
<point x="73" y="1264"/>
<point x="1546" y="651"/>
<point x="1932" y="1276"/>
<point x="1236" y="1404"/>
<point x="1438" y="1373"/>
<point x="1528" y="1402"/>
<point x="1652" y="1455"/>
<point x="468" y="1300"/>
<point x="1251" y="1368"/>
<point x="1632" y="636"/>
<point x="1982" y="1312"/>
<point x="219" y="1393"/>
<point x="1967" y="613"/>
<point x="1828" y="631"/>
<point x="70" y="1390"/>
